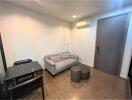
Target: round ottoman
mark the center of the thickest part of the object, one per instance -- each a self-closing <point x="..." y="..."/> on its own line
<point x="76" y="74"/>
<point x="85" y="73"/>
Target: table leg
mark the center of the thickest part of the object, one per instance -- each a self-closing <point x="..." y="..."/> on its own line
<point x="10" y="95"/>
<point x="42" y="87"/>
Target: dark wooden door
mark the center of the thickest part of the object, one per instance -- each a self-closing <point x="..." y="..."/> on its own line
<point x="111" y="37"/>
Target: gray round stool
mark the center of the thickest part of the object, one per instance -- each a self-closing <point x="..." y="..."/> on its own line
<point x="76" y="74"/>
<point x="85" y="73"/>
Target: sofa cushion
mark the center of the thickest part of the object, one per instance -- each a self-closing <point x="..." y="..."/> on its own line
<point x="66" y="56"/>
<point x="64" y="63"/>
<point x="56" y="58"/>
<point x="50" y="62"/>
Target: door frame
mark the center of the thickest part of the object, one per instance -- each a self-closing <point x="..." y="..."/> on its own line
<point x="3" y="53"/>
<point x="124" y="41"/>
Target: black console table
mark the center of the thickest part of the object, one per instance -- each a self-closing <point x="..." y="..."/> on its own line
<point x="21" y="75"/>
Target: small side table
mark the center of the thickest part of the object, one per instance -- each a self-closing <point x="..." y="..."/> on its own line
<point x="76" y="74"/>
<point x="85" y="73"/>
<point x="80" y="72"/>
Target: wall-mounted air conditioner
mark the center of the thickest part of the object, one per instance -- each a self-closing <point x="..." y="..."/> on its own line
<point x="83" y="24"/>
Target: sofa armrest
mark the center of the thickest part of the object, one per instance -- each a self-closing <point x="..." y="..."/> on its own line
<point x="50" y="66"/>
<point x="50" y="62"/>
<point x="75" y="57"/>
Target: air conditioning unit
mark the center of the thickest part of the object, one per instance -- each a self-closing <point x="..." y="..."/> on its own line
<point x="83" y="24"/>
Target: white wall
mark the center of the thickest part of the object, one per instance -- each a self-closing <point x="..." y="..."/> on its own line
<point x="29" y="34"/>
<point x="83" y="41"/>
<point x="0" y="25"/>
<point x="0" y="19"/>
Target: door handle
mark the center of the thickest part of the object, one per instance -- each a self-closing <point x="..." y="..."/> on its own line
<point x="97" y="49"/>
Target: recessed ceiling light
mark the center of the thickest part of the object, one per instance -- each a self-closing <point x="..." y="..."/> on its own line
<point x="74" y="16"/>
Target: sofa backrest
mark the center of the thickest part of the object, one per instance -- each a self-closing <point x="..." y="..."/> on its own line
<point x="48" y="56"/>
<point x="58" y="54"/>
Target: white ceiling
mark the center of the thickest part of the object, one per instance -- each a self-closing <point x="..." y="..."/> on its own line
<point x="65" y="9"/>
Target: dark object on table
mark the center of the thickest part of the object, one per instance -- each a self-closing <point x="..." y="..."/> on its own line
<point x="22" y="62"/>
<point x="80" y="72"/>
<point x="76" y="74"/>
<point x="85" y="72"/>
<point x="16" y="82"/>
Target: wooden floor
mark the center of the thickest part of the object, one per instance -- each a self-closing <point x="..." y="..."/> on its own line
<point x="100" y="86"/>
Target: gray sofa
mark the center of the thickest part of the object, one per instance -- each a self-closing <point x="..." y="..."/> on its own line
<point x="57" y="63"/>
